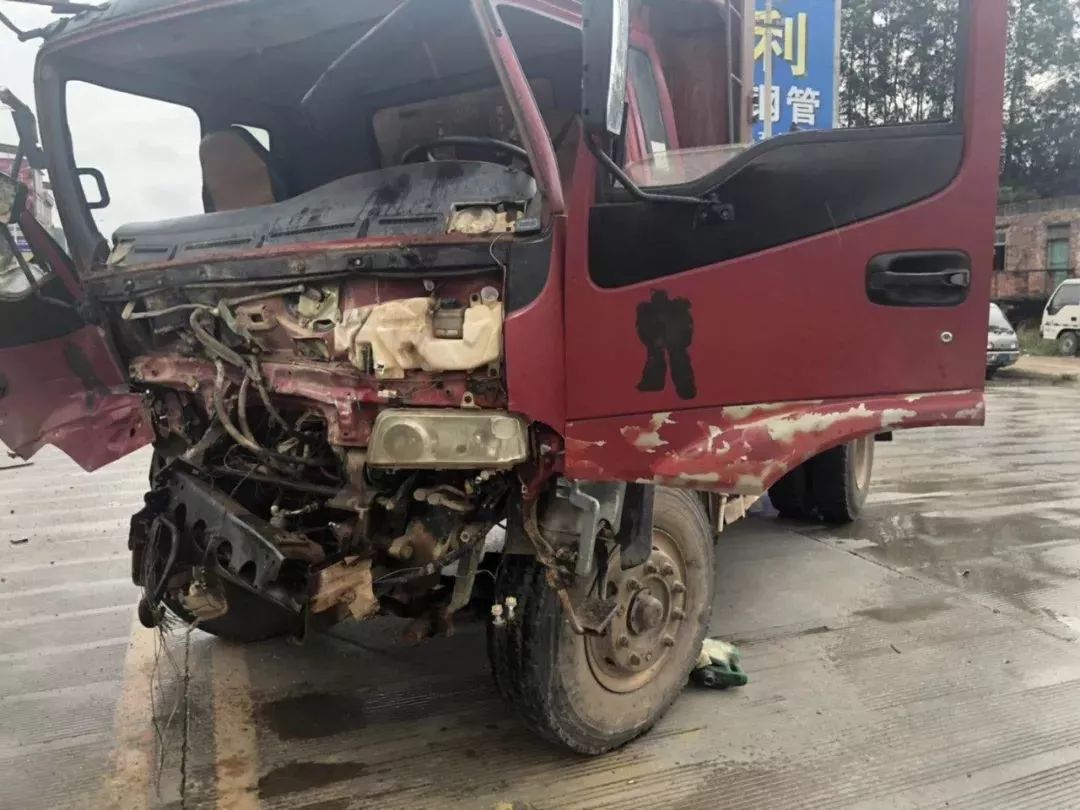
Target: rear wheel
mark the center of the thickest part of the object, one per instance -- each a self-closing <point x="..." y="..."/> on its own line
<point x="991" y="373"/>
<point x="592" y="694"/>
<point x="1068" y="343"/>
<point x="840" y="480"/>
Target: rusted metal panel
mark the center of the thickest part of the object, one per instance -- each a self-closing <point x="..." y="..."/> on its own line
<point x="348" y="400"/>
<point x="68" y="392"/>
<point x="745" y="449"/>
<point x="345" y="583"/>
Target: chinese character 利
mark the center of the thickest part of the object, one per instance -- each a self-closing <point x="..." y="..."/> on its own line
<point x="786" y="36"/>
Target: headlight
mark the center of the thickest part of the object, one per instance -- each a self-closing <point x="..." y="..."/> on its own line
<point x="438" y="439"/>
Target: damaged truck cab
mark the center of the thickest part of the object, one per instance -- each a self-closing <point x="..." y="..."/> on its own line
<point x="489" y="284"/>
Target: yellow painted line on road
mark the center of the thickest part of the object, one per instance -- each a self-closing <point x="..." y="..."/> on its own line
<point x="127" y="779"/>
<point x="234" y="730"/>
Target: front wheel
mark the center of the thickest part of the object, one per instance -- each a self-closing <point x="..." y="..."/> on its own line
<point x="592" y="694"/>
<point x="1068" y="344"/>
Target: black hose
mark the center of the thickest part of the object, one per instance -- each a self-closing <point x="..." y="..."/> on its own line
<point x="170" y="561"/>
<point x="241" y="410"/>
<point x="432" y="567"/>
<point x="149" y="616"/>
<point x="242" y="440"/>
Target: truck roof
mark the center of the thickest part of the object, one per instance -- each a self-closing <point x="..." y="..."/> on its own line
<point x="120" y="14"/>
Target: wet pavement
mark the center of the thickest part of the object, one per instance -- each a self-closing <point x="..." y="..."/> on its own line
<point x="925" y="657"/>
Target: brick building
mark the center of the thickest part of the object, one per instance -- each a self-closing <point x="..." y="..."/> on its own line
<point x="1036" y="247"/>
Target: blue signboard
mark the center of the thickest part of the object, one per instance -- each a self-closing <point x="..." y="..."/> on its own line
<point x="802" y="38"/>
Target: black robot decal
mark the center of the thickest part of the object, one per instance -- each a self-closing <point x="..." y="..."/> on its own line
<point x="666" y="328"/>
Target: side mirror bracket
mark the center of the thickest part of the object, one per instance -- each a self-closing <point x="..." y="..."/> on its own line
<point x="26" y="127"/>
<point x="103" y="199"/>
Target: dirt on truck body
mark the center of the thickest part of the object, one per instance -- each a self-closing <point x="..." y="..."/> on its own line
<point x="479" y="297"/>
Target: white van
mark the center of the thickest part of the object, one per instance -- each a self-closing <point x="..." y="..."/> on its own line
<point x="1061" y="320"/>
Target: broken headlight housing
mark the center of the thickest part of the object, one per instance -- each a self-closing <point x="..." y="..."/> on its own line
<point x="428" y="438"/>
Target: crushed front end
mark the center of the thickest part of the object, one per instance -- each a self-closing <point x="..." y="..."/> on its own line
<point x="328" y="446"/>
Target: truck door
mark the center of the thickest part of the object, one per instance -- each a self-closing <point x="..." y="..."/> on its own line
<point x="60" y="381"/>
<point x="835" y="284"/>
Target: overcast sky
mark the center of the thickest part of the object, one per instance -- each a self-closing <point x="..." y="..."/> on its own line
<point x="147" y="150"/>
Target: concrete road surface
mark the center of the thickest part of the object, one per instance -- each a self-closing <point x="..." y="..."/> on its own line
<point x="924" y="657"/>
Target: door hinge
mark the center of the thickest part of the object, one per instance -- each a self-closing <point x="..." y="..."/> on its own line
<point x="714" y="212"/>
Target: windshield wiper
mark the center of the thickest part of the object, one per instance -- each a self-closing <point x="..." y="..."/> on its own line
<point x="57" y="8"/>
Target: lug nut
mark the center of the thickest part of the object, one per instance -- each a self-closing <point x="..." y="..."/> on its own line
<point x="635" y="660"/>
<point x="650" y="568"/>
<point x="678" y="587"/>
<point x="669" y="641"/>
<point x="632" y="584"/>
<point x="648" y="657"/>
<point x="668" y="570"/>
<point x="623" y="641"/>
<point x="678" y="615"/>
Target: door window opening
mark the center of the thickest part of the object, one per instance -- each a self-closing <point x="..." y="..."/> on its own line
<point x="147" y="150"/>
<point x="1058" y="251"/>
<point x="647" y="95"/>
<point x="1001" y="236"/>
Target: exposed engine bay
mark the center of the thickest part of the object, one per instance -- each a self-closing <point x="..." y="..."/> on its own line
<point x="289" y="468"/>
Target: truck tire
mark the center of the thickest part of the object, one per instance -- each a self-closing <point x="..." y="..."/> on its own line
<point x="250" y="618"/>
<point x="593" y="694"/>
<point x="791" y="495"/>
<point x="1068" y="343"/>
<point x="840" y="480"/>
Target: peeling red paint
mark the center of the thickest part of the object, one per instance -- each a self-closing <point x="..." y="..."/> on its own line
<point x="746" y="449"/>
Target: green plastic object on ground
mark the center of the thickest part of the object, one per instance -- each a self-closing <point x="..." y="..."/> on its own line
<point x="718" y="666"/>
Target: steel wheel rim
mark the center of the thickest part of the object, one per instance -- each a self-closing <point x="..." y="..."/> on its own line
<point x="654" y="605"/>
<point x="863" y="461"/>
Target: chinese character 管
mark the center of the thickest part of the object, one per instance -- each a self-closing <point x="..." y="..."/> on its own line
<point x="804" y="103"/>
<point x="786" y="36"/>
<point x="774" y="102"/>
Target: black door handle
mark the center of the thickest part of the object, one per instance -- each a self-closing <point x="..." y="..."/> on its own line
<point x="919" y="279"/>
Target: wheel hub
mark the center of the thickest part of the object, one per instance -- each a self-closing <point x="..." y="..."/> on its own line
<point x="650" y="618"/>
<point x="646" y="613"/>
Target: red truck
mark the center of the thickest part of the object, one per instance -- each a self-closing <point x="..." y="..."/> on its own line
<point x="496" y="289"/>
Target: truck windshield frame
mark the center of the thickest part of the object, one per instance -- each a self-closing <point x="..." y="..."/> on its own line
<point x="105" y="59"/>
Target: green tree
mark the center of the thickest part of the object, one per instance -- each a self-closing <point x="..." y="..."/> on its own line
<point x="897" y="61"/>
<point x="1041" y="99"/>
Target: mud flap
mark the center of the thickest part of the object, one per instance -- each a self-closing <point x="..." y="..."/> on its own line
<point x="635" y="531"/>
